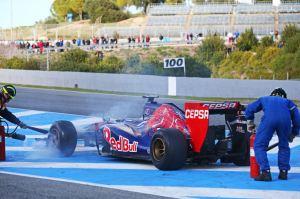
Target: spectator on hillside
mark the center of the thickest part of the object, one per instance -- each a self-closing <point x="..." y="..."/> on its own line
<point x="116" y="37"/>
<point x="143" y="40"/>
<point x="57" y="44"/>
<point x="100" y="55"/>
<point x="78" y="42"/>
<point x="129" y="41"/>
<point x="41" y="46"/>
<point x="281" y="44"/>
<point x="138" y="39"/>
<point x="147" y="41"/>
<point x="161" y="38"/>
<point x="94" y="40"/>
<point x="276" y="37"/>
<point x="133" y="41"/>
<point x="27" y="45"/>
<point x="236" y="35"/>
<point x="88" y="42"/>
<point x="188" y="38"/>
<point x="61" y="43"/>
<point x="74" y="41"/>
<point x="191" y="37"/>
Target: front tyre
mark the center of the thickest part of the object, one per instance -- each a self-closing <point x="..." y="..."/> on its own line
<point x="168" y="149"/>
<point x="63" y="137"/>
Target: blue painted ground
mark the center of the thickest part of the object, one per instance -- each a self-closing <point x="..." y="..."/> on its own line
<point x="190" y="176"/>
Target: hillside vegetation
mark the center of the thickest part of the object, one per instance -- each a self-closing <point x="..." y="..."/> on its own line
<point x="251" y="60"/>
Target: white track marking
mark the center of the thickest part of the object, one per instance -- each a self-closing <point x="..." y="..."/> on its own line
<point x="75" y="165"/>
<point x="274" y="140"/>
<point x="36" y="136"/>
<point x="195" y="192"/>
<point x="183" y="192"/>
<point x="28" y="113"/>
<point x="130" y="166"/>
<point x="44" y="148"/>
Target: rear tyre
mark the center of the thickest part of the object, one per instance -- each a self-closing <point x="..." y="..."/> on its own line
<point x="168" y="149"/>
<point x="63" y="137"/>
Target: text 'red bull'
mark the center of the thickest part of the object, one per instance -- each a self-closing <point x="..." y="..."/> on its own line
<point x="122" y="144"/>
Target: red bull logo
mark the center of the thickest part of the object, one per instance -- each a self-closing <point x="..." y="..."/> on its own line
<point x="122" y="144"/>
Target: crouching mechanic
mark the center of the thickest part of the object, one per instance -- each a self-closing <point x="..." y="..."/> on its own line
<point x="7" y="93"/>
<point x="280" y="114"/>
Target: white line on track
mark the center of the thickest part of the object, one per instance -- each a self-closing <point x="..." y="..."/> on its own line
<point x="129" y="166"/>
<point x="28" y="113"/>
<point x="78" y="122"/>
<point x="195" y="192"/>
<point x="36" y="136"/>
<point x="74" y="165"/>
<point x="274" y="140"/>
<point x="185" y="192"/>
<point x="44" y="148"/>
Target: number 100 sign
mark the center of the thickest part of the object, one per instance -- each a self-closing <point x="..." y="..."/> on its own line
<point x="174" y="62"/>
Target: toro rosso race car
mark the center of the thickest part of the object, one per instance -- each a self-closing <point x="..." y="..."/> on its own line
<point x="167" y="135"/>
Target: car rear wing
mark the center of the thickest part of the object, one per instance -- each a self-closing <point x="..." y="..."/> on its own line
<point x="197" y="118"/>
<point x="224" y="107"/>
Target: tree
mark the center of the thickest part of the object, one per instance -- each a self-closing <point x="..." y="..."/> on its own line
<point x="212" y="47"/>
<point x="266" y="41"/>
<point x="104" y="9"/>
<point x="292" y="44"/>
<point x="122" y="3"/>
<point x="60" y="9"/>
<point x="77" y="6"/>
<point x="289" y="31"/>
<point x="145" y="3"/>
<point x="247" y="40"/>
<point x="173" y="1"/>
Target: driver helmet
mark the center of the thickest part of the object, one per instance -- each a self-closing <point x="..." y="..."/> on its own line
<point x="279" y="92"/>
<point x="9" y="90"/>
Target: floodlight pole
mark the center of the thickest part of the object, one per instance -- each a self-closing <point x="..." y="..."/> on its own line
<point x="11" y="20"/>
<point x="48" y="65"/>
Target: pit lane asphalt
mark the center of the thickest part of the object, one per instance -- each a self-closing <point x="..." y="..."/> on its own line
<point x="12" y="186"/>
<point x="117" y="106"/>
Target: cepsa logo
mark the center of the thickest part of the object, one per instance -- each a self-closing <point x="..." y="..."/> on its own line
<point x="200" y="114"/>
<point x="226" y="105"/>
<point x="122" y="144"/>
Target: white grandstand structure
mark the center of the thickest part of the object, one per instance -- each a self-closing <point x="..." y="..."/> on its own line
<point x="208" y="18"/>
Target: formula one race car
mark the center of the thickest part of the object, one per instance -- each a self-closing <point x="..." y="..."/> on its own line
<point x="166" y="135"/>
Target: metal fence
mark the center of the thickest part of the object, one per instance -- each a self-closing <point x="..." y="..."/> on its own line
<point x="179" y="23"/>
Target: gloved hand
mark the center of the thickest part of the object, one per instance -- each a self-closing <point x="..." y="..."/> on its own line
<point x="23" y="125"/>
<point x="250" y="125"/>
<point x="291" y="137"/>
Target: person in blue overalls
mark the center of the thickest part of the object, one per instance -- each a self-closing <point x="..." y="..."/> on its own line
<point x="280" y="115"/>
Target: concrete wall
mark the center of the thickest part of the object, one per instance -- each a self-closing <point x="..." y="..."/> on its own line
<point x="233" y="88"/>
<point x="97" y="81"/>
<point x="180" y="86"/>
